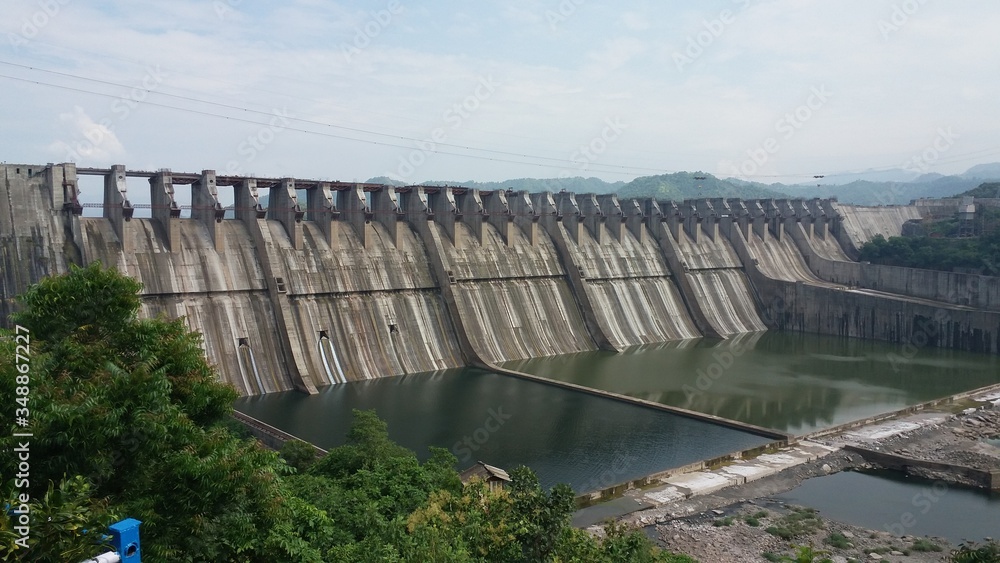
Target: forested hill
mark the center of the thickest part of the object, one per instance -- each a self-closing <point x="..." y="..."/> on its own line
<point x="691" y="185"/>
<point x="864" y="192"/>
<point x="575" y="184"/>
<point x="987" y="190"/>
<point x="867" y="189"/>
<point x="676" y="186"/>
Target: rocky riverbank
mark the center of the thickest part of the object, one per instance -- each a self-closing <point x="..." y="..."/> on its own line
<point x="732" y="524"/>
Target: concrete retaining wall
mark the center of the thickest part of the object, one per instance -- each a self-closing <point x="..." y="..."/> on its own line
<point x="268" y="435"/>
<point x="985" y="479"/>
<point x="607" y="493"/>
<point x="800" y="306"/>
<point x="980" y="292"/>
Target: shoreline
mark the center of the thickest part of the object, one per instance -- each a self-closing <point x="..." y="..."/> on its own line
<point x="687" y="523"/>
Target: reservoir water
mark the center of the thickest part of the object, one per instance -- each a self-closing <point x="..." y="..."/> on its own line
<point x="795" y="383"/>
<point x="791" y="382"/>
<point x="889" y="501"/>
<point x="564" y="436"/>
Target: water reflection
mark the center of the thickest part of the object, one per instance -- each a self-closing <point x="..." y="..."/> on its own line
<point x="795" y="383"/>
<point x="891" y="502"/>
<point x="565" y="436"/>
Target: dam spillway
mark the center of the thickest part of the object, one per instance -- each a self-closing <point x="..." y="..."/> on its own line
<point x="395" y="280"/>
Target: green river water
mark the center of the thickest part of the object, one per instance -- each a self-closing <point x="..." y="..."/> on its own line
<point x="794" y="383"/>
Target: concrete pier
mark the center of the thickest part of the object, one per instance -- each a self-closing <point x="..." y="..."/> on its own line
<point x="165" y="209"/>
<point x="385" y="280"/>
<point x="117" y="208"/>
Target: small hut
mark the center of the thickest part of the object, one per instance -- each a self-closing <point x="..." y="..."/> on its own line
<point x="493" y="476"/>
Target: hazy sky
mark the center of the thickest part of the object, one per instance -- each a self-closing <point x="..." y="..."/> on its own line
<point x="767" y="89"/>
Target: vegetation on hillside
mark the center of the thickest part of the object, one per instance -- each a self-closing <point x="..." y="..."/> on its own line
<point x="575" y="184"/>
<point x="940" y="252"/>
<point x="869" y="189"/>
<point x="128" y="420"/>
<point x="690" y="185"/>
<point x="985" y="190"/>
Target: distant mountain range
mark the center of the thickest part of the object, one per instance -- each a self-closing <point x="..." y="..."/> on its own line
<point x="882" y="187"/>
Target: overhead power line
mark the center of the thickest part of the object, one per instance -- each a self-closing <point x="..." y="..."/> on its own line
<point x="421" y="144"/>
<point x="560" y="161"/>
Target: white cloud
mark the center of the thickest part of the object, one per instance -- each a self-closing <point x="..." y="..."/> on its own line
<point x="553" y="87"/>
<point x="635" y="21"/>
<point x="615" y="53"/>
<point x="86" y="140"/>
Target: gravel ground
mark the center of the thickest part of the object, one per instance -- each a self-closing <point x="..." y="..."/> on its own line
<point x="961" y="440"/>
<point x="707" y="538"/>
<point x="719" y="528"/>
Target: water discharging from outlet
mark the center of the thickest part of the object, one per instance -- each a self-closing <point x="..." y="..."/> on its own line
<point x="249" y="364"/>
<point x="326" y="351"/>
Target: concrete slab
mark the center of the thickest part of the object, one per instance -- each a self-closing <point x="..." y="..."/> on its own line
<point x="988" y="398"/>
<point x="679" y="487"/>
<point x="784" y="459"/>
<point x="821" y="449"/>
<point x="608" y="510"/>
<point x="701" y="482"/>
<point x="664" y="496"/>
<point x="749" y="471"/>
<point x="816" y="450"/>
<point x="880" y="431"/>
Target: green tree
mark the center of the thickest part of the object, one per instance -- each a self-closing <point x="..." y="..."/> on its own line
<point x="298" y="454"/>
<point x="974" y="553"/>
<point x="66" y="524"/>
<point x="129" y="420"/>
<point x="131" y="407"/>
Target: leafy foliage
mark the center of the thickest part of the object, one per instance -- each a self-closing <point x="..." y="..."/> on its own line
<point x="64" y="524"/>
<point x="684" y="185"/>
<point x="984" y="190"/>
<point x="981" y="253"/>
<point x="797" y="523"/>
<point x="130" y="408"/>
<point x="298" y="454"/>
<point x="129" y="420"/>
<point x="807" y="554"/>
<point x="974" y="553"/>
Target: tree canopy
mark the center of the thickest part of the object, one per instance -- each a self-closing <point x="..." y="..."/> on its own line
<point x="129" y="420"/>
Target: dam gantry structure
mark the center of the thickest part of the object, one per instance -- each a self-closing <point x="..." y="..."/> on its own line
<point x="366" y="280"/>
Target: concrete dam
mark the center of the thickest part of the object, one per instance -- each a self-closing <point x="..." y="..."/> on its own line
<point x="345" y="281"/>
